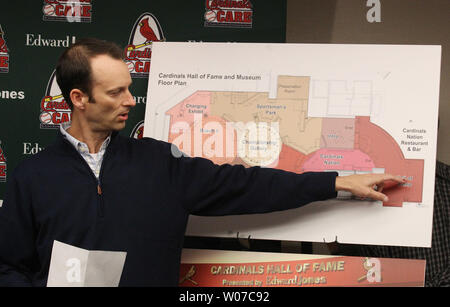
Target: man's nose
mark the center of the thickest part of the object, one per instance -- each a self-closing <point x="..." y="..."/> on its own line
<point x="129" y="100"/>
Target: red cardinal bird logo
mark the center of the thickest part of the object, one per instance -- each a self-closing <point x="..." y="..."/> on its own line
<point x="147" y="32"/>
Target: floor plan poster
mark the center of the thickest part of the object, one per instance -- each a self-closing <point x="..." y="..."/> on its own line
<point x="307" y="107"/>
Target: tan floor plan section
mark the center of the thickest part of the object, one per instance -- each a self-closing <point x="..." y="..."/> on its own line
<point x="289" y="109"/>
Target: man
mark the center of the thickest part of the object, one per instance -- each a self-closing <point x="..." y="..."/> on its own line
<point x="115" y="193"/>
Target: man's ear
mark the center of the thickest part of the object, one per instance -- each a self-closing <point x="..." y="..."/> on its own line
<point x="79" y="99"/>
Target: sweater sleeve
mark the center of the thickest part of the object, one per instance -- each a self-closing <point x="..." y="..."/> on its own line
<point x="17" y="251"/>
<point x="212" y="190"/>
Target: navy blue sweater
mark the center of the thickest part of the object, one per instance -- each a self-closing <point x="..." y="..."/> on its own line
<point x="146" y="196"/>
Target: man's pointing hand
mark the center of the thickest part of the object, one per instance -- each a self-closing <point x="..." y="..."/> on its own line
<point x="368" y="185"/>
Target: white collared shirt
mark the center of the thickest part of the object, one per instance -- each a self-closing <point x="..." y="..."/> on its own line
<point x="93" y="160"/>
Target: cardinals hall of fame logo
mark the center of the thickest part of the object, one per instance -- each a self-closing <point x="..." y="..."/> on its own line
<point x="228" y="14"/>
<point x="138" y="52"/>
<point x="2" y="164"/>
<point x="54" y="108"/>
<point x="67" y="10"/>
<point x="4" y="55"/>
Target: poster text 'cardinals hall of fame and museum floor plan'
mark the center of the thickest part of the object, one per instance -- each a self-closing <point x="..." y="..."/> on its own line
<point x="353" y="109"/>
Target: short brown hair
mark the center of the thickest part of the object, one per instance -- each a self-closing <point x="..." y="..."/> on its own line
<point x="73" y="69"/>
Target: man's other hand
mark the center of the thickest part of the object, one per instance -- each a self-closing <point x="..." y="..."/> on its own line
<point x="368" y="185"/>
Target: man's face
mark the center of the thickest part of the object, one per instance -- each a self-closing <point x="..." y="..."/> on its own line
<point x="111" y="100"/>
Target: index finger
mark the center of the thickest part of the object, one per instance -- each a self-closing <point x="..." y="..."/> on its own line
<point x="389" y="181"/>
<point x="387" y="177"/>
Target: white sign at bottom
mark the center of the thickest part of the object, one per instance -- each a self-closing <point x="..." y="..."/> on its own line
<point x="71" y="266"/>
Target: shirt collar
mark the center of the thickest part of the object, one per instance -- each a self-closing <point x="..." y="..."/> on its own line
<point x="80" y="146"/>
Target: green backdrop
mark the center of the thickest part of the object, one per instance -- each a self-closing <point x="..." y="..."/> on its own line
<point x="35" y="32"/>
